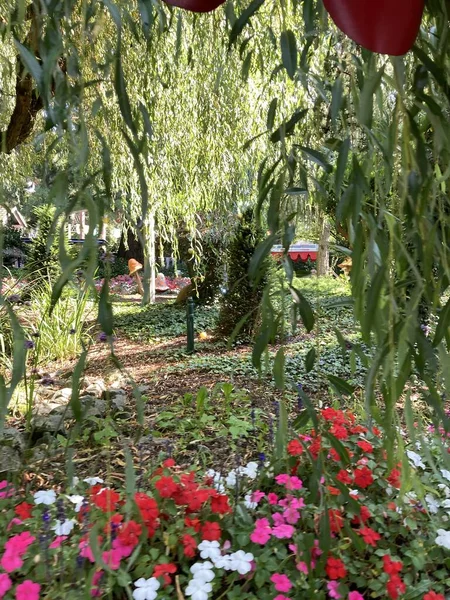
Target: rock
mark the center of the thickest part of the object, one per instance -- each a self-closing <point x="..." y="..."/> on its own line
<point x="110" y="393"/>
<point x="96" y="387"/>
<point x="51" y="423"/>
<point x="90" y="407"/>
<point x="119" y="403"/>
<point x="10" y="460"/>
<point x="64" y="394"/>
<point x="14" y="439"/>
<point x="143" y="388"/>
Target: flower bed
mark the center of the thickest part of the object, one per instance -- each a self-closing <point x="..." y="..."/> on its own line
<point x="327" y="522"/>
<point x="126" y="285"/>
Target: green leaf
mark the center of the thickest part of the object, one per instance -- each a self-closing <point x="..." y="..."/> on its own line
<point x="443" y="324"/>
<point x="341" y="386"/>
<point x="31" y="64"/>
<point x="336" y="99"/>
<point x="243" y="19"/>
<point x="296" y="191"/>
<point x="341" y="166"/>
<point x="271" y="113"/>
<point x="316" y="157"/>
<point x="74" y="402"/>
<point x="246" y="65"/>
<point x="105" y="313"/>
<point x="278" y="369"/>
<point x="121" y="90"/>
<point x="366" y="99"/>
<point x="282" y="431"/>
<point x="310" y="360"/>
<point x="289" y="52"/>
<point x="130" y="474"/>
<point x="262" y="250"/>
<point x="288" y="127"/>
<point x="306" y="312"/>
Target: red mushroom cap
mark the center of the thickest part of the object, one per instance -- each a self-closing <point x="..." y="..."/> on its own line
<point x="134" y="265"/>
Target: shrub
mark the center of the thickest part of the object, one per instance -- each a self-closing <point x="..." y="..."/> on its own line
<point x="43" y="261"/>
<point x="243" y="296"/>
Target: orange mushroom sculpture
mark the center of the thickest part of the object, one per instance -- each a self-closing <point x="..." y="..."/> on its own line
<point x="134" y="266"/>
<point x="383" y="26"/>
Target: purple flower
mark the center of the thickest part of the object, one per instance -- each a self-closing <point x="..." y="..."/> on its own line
<point x="28" y="344"/>
<point x="14" y="298"/>
<point x="72" y="331"/>
<point x="102" y="337"/>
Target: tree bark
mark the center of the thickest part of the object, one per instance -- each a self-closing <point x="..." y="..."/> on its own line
<point x="133" y="247"/>
<point x="147" y="237"/>
<point x="323" y="257"/>
<point x="28" y="102"/>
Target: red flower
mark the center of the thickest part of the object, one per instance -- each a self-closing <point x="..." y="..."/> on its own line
<point x="370" y="536"/>
<point x="113" y="522"/>
<point x="130" y="533"/>
<point x="376" y="431"/>
<point x="316" y="446"/>
<point x="363" y="477"/>
<point x="106" y="500"/>
<point x="395" y="587"/>
<point x="333" y="491"/>
<point x="391" y="567"/>
<point x="344" y="477"/>
<point x="394" y="478"/>
<point x="219" y="504"/>
<point x="193" y="523"/>
<point x="295" y="448"/>
<point x="364" y="515"/>
<point x="23" y="510"/>
<point x="164" y="571"/>
<point x="169" y="462"/>
<point x="148" y="510"/>
<point x="339" y="432"/>
<point x="335" y="568"/>
<point x="365" y="446"/>
<point x="333" y="415"/>
<point x="189" y="545"/>
<point x="336" y="520"/>
<point x="166" y="487"/>
<point x="433" y="596"/>
<point x="211" y="531"/>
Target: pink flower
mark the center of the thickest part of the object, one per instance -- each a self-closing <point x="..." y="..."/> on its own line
<point x="112" y="558"/>
<point x="282" y="479"/>
<point x="355" y="596"/>
<point x="302" y="567"/>
<point x="124" y="551"/>
<point x="19" y="543"/>
<point x="294" y="483"/>
<point x="95" y="591"/>
<point x="296" y="503"/>
<point x="293" y="548"/>
<point x="11" y="561"/>
<point x="85" y="551"/>
<point x="59" y="539"/>
<point x="278" y="519"/>
<point x="257" y="496"/>
<point x="6" y="488"/>
<point x="14" y="521"/>
<point x="5" y="584"/>
<point x="262" y="531"/>
<point x="28" y="590"/>
<point x="272" y="498"/>
<point x="281" y="582"/>
<point x="291" y="516"/>
<point x="283" y="531"/>
<point x="281" y="597"/>
<point x="332" y="587"/>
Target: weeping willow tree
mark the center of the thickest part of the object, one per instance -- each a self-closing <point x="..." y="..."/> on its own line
<point x="148" y="108"/>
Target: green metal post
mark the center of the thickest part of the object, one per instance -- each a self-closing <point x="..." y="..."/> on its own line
<point x="190" y="325"/>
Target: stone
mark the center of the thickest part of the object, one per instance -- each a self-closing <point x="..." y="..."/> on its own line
<point x="51" y="423"/>
<point x="96" y="388"/>
<point x="10" y="460"/>
<point x="63" y="394"/>
<point x="90" y="407"/>
<point x="13" y="438"/>
<point x="111" y="393"/>
<point x="119" y="403"/>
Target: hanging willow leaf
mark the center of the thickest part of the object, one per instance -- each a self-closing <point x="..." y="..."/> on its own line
<point x="278" y="369"/>
<point x="289" y="52"/>
<point x="316" y="157"/>
<point x="288" y="127"/>
<point x="341" y="386"/>
<point x="443" y="324"/>
<point x="261" y="252"/>
<point x="121" y="89"/>
<point x="306" y="312"/>
<point x="310" y="360"/>
<point x="271" y="113"/>
<point x="243" y="19"/>
<point x="31" y="64"/>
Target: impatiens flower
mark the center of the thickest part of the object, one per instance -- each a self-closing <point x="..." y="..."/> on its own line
<point x="415" y="459"/>
<point x="332" y="587"/>
<point x="363" y="477"/>
<point x="443" y="538"/>
<point x="45" y="497"/>
<point x="262" y="532"/>
<point x="272" y="498"/>
<point x="281" y="597"/>
<point x="295" y="448"/>
<point x="249" y="502"/>
<point x="58" y="541"/>
<point x="251" y="470"/>
<point x="395" y="586"/>
<point x="335" y="568"/>
<point x="23" y="510"/>
<point x="445" y="474"/>
<point x="242" y="562"/>
<point x="432" y="503"/>
<point x="365" y="447"/>
<point x="355" y="596"/>
<point x="165" y="570"/>
<point x="283" y="531"/>
<point x="209" y="550"/>
<point x="28" y="590"/>
<point x="166" y="487"/>
<point x="146" y="589"/>
<point x="391" y="567"/>
<point x="11" y="561"/>
<point x="77" y="500"/>
<point x="370" y="536"/>
<point x="189" y="545"/>
<point x="198" y="589"/>
<point x="433" y="596"/>
<point x="93" y="480"/>
<point x="64" y="527"/>
<point x="5" y="584"/>
<point x="281" y="582"/>
<point x="210" y="531"/>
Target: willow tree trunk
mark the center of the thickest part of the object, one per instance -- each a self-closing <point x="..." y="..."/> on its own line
<point x="323" y="257"/>
<point x="147" y="236"/>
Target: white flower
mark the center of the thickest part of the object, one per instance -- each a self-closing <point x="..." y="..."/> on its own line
<point x="146" y="589"/>
<point x="224" y="561"/>
<point x="445" y="474"/>
<point x="446" y="504"/>
<point x="217" y="480"/>
<point x="209" y="550"/>
<point x="94" y="481"/>
<point x="241" y="562"/>
<point x="64" y="527"/>
<point x="432" y="503"/>
<point x="445" y="489"/>
<point x="415" y="459"/>
<point x="45" y="497"/>
<point x="199" y="568"/>
<point x="353" y="492"/>
<point x="77" y="500"/>
<point x="443" y="538"/>
<point x="231" y="478"/>
<point x="248" y="502"/>
<point x="251" y="470"/>
<point x="198" y="589"/>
